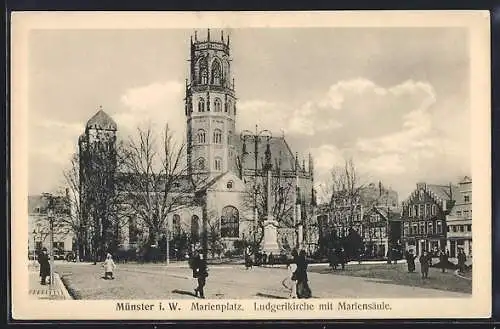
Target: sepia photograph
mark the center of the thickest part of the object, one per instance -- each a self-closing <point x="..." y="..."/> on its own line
<point x="242" y="165"/>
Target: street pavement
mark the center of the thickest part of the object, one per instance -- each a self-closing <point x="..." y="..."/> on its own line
<point x="57" y="291"/>
<point x="152" y="281"/>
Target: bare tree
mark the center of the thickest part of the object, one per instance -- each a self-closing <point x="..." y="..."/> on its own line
<point x="344" y="193"/>
<point x="154" y="182"/>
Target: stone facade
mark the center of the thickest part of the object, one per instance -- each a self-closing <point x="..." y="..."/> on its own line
<point x="459" y="220"/>
<point x="424" y="216"/>
<point x="39" y="227"/>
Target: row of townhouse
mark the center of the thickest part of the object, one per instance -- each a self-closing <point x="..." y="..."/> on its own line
<point x="438" y="217"/>
<point x="375" y="216"/>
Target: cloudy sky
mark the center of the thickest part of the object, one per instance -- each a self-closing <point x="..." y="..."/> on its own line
<point x="396" y="100"/>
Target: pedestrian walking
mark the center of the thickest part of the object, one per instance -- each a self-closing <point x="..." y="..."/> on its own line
<point x="43" y="260"/>
<point x="410" y="260"/>
<point x="341" y="256"/>
<point x="200" y="272"/>
<point x="333" y="259"/>
<point x="109" y="266"/>
<point x="303" y="289"/>
<point x="424" y="265"/>
<point x="264" y="258"/>
<point x="443" y="260"/>
<point x="270" y="259"/>
<point x="461" y="260"/>
<point x="248" y="258"/>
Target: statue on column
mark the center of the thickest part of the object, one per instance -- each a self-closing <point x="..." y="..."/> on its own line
<point x="270" y="239"/>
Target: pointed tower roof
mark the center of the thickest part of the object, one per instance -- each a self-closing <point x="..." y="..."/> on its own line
<point x="101" y="120"/>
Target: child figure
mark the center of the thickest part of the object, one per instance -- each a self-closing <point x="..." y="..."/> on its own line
<point x="109" y="266"/>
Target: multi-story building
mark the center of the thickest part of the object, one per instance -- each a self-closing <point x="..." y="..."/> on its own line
<point x="39" y="225"/>
<point x="424" y="215"/>
<point x="373" y="214"/>
<point x="459" y="220"/>
<point x="381" y="230"/>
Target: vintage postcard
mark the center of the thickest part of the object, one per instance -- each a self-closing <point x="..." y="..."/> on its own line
<point x="225" y="165"/>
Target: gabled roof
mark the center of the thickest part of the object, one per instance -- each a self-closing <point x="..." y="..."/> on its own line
<point x="466" y="180"/>
<point x="280" y="152"/>
<point x="210" y="182"/>
<point x="213" y="182"/>
<point x="183" y="183"/>
<point x="444" y="192"/>
<point x="101" y="120"/>
<point x="39" y="204"/>
<point x="441" y="191"/>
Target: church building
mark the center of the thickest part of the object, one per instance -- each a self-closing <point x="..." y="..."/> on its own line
<point x="228" y="171"/>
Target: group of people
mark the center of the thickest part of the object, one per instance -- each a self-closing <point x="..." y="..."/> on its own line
<point x="425" y="261"/>
<point x="297" y="267"/>
<point x="256" y="258"/>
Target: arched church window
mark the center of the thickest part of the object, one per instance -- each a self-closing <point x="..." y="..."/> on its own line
<point x="217" y="136"/>
<point x="201" y="136"/>
<point x="204" y="76"/>
<point x="195" y="228"/>
<point x="228" y="106"/>
<point x="218" y="164"/>
<point x="218" y="105"/>
<point x="229" y="184"/>
<point x="216" y="73"/>
<point x="201" y="105"/>
<point x="229" y="134"/>
<point x="176" y="224"/>
<point x="203" y="69"/>
<point x="229" y="222"/>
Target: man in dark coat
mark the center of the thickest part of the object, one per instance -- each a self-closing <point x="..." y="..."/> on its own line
<point x="342" y="257"/>
<point x="333" y="259"/>
<point x="461" y="260"/>
<point x="424" y="265"/>
<point x="303" y="290"/>
<point x="270" y="259"/>
<point x="200" y="272"/>
<point x="410" y="260"/>
<point x="43" y="260"/>
<point x="443" y="260"/>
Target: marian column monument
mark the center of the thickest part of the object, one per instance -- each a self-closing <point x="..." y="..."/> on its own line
<point x="270" y="239"/>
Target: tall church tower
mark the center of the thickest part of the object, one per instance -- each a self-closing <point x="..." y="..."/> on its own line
<point x="210" y="108"/>
<point x="98" y="161"/>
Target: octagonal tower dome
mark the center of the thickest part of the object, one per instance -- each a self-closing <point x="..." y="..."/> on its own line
<point x="101" y="120"/>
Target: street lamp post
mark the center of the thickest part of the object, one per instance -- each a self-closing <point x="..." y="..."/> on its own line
<point x="51" y="246"/>
<point x="257" y="138"/>
<point x="34" y="246"/>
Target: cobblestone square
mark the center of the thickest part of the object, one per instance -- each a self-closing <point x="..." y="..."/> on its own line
<point x="158" y="281"/>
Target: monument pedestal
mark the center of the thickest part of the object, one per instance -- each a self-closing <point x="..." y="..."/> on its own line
<point x="270" y="239"/>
